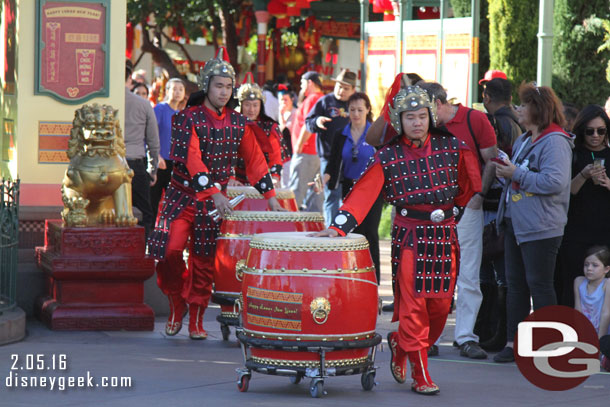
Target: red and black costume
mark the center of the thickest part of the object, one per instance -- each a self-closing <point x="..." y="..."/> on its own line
<point x="205" y="148"/>
<point x="425" y="184"/>
<point x="270" y="141"/>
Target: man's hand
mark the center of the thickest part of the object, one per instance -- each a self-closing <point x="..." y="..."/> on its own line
<point x="321" y="120"/>
<point x="234" y="183"/>
<point x="222" y="204"/>
<point x="275" y="206"/>
<point x="476" y="202"/>
<point x="153" y="179"/>
<point x="325" y="233"/>
<point x="318" y="184"/>
<point x="162" y="164"/>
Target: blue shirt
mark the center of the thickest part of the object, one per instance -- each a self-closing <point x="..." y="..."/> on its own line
<point x="354" y="169"/>
<point x="164" y="114"/>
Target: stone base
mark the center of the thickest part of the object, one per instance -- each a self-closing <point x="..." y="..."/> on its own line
<point x="12" y="326"/>
<point x="94" y="278"/>
<point x="89" y="317"/>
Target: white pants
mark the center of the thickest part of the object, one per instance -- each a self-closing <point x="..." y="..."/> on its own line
<point x="469" y="297"/>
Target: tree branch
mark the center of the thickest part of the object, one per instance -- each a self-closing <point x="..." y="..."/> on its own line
<point x="161" y="58"/>
<point x="184" y="51"/>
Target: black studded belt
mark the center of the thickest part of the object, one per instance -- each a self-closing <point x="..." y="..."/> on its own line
<point x="436" y="216"/>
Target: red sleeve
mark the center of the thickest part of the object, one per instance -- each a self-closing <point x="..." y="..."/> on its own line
<point x="195" y="166"/>
<point x="469" y="177"/>
<point x="275" y="157"/>
<point x="361" y="198"/>
<point x="256" y="166"/>
<point x="484" y="131"/>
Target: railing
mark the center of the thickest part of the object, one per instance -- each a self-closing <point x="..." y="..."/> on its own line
<point x="9" y="239"/>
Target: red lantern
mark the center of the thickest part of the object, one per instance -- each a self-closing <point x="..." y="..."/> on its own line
<point x="277" y="8"/>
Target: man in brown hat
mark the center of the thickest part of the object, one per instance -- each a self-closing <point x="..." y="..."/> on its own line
<point x="328" y="116"/>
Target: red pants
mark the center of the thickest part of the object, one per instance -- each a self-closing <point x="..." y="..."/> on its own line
<point x="421" y="320"/>
<point x="195" y="285"/>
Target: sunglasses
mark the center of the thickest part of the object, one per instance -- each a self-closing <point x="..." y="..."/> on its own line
<point x="354" y="153"/>
<point x="589" y="131"/>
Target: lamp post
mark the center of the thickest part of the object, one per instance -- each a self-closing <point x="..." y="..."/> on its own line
<point x="545" y="43"/>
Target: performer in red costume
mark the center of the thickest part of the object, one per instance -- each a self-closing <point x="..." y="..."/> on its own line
<point x="426" y="173"/>
<point x="207" y="138"/>
<point x="266" y="130"/>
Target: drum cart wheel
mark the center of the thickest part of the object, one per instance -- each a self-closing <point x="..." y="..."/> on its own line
<point x="296" y="379"/>
<point x="243" y="380"/>
<point x="226" y="332"/>
<point x="368" y="380"/>
<point x="316" y="388"/>
<point x="226" y="321"/>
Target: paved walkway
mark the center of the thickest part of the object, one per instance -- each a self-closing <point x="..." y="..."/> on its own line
<point x="176" y="371"/>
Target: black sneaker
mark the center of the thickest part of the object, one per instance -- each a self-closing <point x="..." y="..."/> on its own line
<point x="472" y="350"/>
<point x="506" y="355"/>
<point x="388" y="308"/>
<point x="433" y="350"/>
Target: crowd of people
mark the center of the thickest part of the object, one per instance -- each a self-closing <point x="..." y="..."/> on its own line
<point x="534" y="184"/>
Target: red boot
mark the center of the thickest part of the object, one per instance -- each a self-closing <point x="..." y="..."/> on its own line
<point x="422" y="383"/>
<point x="177" y="311"/>
<point x="398" y="362"/>
<point x="196" y="330"/>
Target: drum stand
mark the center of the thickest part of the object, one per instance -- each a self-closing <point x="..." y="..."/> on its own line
<point x="296" y="373"/>
<point x="226" y="321"/>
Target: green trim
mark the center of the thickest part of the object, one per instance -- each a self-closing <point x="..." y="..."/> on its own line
<point x="105" y="47"/>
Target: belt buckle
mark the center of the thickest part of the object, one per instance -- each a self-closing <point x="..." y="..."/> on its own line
<point x="437" y="215"/>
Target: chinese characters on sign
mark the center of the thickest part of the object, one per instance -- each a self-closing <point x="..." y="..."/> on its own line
<point x="72" y="55"/>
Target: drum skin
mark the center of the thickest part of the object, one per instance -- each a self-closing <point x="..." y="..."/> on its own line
<point x="309" y="289"/>
<point x="254" y="201"/>
<point x="233" y="242"/>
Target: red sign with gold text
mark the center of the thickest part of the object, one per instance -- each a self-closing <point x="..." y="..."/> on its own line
<point x="72" y="49"/>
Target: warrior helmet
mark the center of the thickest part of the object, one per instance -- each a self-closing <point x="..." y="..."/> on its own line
<point x="410" y="99"/>
<point x="250" y="90"/>
<point x="217" y="66"/>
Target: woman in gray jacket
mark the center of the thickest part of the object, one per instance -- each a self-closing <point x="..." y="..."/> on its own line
<point x="534" y="206"/>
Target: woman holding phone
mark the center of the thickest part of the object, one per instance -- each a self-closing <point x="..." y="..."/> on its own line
<point x="589" y="214"/>
<point x="533" y="206"/>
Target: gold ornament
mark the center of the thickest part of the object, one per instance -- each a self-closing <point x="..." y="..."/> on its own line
<point x="320" y="308"/>
<point x="97" y="185"/>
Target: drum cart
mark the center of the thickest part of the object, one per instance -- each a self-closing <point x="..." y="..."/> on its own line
<point x="224" y="320"/>
<point x="366" y="369"/>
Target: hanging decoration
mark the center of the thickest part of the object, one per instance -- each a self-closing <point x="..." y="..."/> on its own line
<point x="389" y="8"/>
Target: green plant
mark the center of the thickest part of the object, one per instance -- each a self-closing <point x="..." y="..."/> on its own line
<point x="385" y="225"/>
<point x="579" y="63"/>
<point x="513" y="25"/>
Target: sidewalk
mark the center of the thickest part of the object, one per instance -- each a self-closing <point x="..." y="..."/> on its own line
<point x="176" y="371"/>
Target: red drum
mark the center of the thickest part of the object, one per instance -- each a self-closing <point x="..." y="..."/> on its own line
<point x="256" y="202"/>
<point x="232" y="245"/>
<point x="300" y="289"/>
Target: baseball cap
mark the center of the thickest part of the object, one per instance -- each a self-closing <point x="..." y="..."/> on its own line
<point x="492" y="74"/>
<point x="313" y="76"/>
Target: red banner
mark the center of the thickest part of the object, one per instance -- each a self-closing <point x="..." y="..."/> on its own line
<point x="73" y="46"/>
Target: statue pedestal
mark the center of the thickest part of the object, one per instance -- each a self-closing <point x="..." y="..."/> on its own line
<point x="94" y="278"/>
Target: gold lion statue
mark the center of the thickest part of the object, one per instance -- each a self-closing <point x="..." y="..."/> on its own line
<point x="97" y="185"/>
